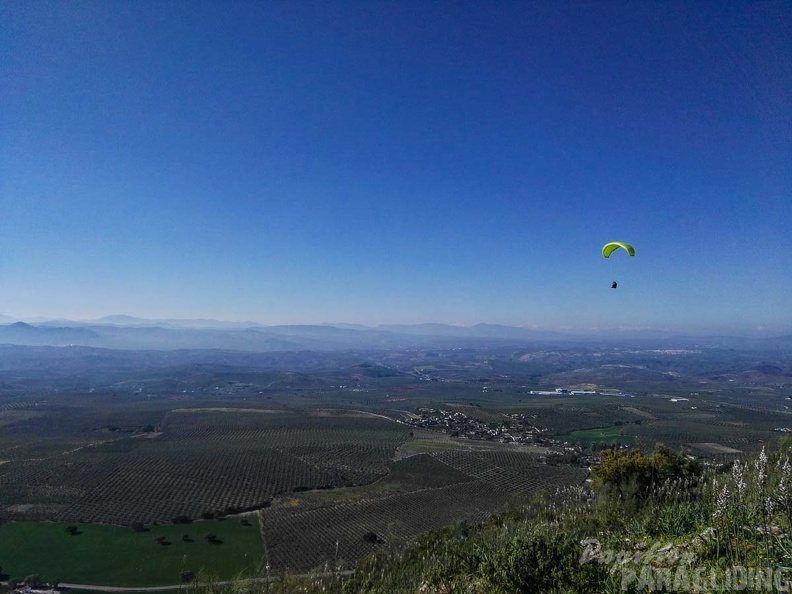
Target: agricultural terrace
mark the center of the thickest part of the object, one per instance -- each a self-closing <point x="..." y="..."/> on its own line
<point x="200" y="462"/>
<point x="421" y="492"/>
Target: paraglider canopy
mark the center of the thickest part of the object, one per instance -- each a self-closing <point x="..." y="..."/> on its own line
<point x="609" y="248"/>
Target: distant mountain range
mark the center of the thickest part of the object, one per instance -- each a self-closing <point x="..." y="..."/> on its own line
<point x="131" y="333"/>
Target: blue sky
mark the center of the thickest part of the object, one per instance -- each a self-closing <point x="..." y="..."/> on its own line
<point x="398" y="162"/>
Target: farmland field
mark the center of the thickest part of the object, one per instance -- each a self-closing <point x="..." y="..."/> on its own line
<point x="348" y="454"/>
<point x="120" y="556"/>
<point x="714" y="448"/>
<point x="200" y="462"/>
<point x="338" y="528"/>
<point x="602" y="435"/>
<point x="420" y="492"/>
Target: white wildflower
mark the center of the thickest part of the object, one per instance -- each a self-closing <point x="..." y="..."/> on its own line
<point x="738" y="474"/>
<point x="761" y="467"/>
<point x="722" y="504"/>
<point x="786" y="475"/>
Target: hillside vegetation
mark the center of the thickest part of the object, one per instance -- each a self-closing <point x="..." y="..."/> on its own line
<point x="653" y="522"/>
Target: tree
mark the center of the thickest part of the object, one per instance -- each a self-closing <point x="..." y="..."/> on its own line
<point x="633" y="473"/>
<point x="33" y="580"/>
<point x="187" y="576"/>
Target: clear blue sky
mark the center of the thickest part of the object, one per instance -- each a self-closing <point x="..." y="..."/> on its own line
<point x="398" y="162"/>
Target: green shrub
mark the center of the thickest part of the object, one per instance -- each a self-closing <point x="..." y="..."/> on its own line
<point x="674" y="520"/>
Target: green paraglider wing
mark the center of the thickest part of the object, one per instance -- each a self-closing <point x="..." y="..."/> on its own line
<point x="609" y="248"/>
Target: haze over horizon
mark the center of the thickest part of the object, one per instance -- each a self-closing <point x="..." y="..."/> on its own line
<point x="483" y="328"/>
<point x="387" y="163"/>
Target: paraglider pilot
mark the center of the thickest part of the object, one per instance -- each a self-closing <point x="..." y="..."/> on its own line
<point x="609" y="248"/>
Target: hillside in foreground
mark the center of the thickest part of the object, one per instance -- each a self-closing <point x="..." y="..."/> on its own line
<point x="654" y="522"/>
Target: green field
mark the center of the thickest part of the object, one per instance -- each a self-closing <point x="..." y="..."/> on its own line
<point x="112" y="555"/>
<point x="601" y="435"/>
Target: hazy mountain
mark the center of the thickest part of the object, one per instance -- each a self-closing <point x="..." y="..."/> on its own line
<point x="779" y="341"/>
<point x="26" y="334"/>
<point x="136" y="334"/>
<point x="497" y="331"/>
<point x="91" y="363"/>
<point x="125" y="320"/>
<point x="348" y="326"/>
<point x="427" y="329"/>
<point x="501" y="331"/>
<point x="129" y="333"/>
